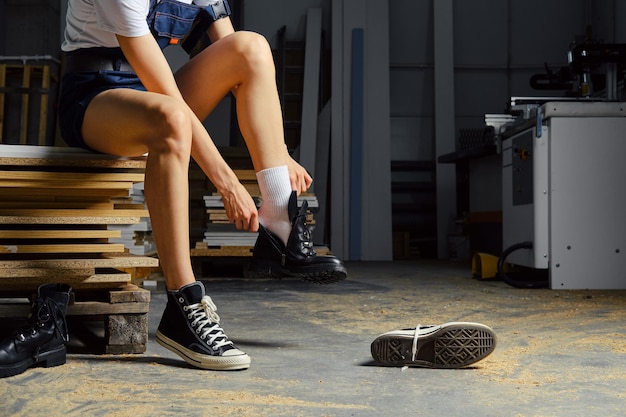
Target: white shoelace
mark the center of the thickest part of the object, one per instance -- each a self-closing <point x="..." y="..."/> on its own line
<point x="207" y="322"/>
<point x="414" y="347"/>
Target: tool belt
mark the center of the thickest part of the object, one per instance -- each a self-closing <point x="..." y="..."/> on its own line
<point x="173" y="22"/>
<point x="94" y="62"/>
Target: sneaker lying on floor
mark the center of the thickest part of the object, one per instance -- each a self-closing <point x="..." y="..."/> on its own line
<point x="449" y="345"/>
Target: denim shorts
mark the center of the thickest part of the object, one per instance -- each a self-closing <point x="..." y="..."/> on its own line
<point x="77" y="91"/>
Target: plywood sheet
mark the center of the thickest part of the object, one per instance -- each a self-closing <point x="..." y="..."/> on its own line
<point x="62" y="248"/>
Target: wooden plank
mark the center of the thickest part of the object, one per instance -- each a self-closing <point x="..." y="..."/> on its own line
<point x="71" y="176"/>
<point x="63" y="248"/>
<point x="50" y="274"/>
<point x="16" y="283"/>
<point x="222" y="251"/>
<point x="129" y="206"/>
<point x="83" y="308"/>
<point x="10" y="193"/>
<point x="42" y="204"/>
<point x="43" y="106"/>
<point x="245" y="175"/>
<point x="24" y="116"/>
<point x="60" y="184"/>
<point x="66" y="157"/>
<point x="116" y="260"/>
<point x="86" y="219"/>
<point x="129" y="294"/>
<point x="3" y="74"/>
<point x="60" y="234"/>
<point x="72" y="213"/>
<point x="93" y="308"/>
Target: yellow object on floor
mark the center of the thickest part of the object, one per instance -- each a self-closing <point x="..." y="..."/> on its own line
<point x="485" y="266"/>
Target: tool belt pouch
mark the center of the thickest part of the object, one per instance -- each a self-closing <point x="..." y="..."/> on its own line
<point x="173" y="22"/>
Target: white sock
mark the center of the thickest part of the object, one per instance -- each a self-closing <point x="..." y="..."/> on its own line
<point x="276" y="190"/>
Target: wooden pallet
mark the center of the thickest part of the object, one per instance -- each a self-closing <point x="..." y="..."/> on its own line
<point x="56" y="209"/>
<point x="120" y="317"/>
<point x="35" y="83"/>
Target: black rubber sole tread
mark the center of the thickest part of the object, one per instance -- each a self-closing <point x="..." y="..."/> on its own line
<point x="314" y="277"/>
<point x="453" y="346"/>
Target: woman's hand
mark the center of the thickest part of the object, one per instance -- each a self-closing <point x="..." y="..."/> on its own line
<point x="240" y="208"/>
<point x="299" y="177"/>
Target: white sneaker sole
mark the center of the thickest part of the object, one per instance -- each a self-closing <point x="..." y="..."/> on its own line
<point x="234" y="360"/>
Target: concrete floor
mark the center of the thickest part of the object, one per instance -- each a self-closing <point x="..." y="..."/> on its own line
<point x="559" y="353"/>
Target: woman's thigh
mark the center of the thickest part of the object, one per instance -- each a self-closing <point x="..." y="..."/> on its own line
<point x="128" y="122"/>
<point x="225" y="64"/>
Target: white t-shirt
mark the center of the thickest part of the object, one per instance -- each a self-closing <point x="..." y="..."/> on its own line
<point x="94" y="23"/>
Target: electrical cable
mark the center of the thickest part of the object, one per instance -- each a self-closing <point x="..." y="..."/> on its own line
<point x="543" y="283"/>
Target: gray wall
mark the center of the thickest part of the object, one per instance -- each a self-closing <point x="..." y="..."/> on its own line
<point x="497" y="46"/>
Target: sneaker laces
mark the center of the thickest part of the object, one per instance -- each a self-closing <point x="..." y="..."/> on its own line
<point x="206" y="321"/>
<point x="414" y="347"/>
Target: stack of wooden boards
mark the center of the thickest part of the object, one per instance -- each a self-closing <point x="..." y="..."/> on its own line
<point x="222" y="238"/>
<point x="58" y="211"/>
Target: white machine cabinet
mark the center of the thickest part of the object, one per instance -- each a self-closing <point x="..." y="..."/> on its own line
<point x="564" y="190"/>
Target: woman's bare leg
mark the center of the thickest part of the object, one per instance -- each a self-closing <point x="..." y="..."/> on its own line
<point x="127" y="123"/>
<point x="242" y="63"/>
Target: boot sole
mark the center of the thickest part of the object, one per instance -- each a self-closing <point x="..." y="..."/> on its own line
<point x="47" y="359"/>
<point x="452" y="345"/>
<point x="314" y="274"/>
<point x="213" y="363"/>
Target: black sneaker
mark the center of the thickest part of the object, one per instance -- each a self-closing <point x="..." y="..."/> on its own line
<point x="450" y="345"/>
<point x="271" y="258"/>
<point x="190" y="328"/>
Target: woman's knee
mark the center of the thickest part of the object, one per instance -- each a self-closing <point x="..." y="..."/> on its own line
<point x="253" y="49"/>
<point x="171" y="128"/>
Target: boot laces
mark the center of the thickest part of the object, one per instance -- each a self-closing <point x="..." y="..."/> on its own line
<point x="46" y="309"/>
<point x="307" y="244"/>
<point x="206" y="321"/>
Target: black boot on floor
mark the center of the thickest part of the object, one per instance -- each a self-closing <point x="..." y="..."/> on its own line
<point x="190" y="327"/>
<point x="272" y="258"/>
<point x="42" y="342"/>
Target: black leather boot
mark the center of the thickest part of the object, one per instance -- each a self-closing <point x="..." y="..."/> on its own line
<point x="272" y="258"/>
<point x="42" y="342"/>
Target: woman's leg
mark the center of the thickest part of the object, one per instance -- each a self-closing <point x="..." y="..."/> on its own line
<point x="127" y="122"/>
<point x="242" y="63"/>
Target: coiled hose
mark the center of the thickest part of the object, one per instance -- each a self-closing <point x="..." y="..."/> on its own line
<point x="542" y="283"/>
